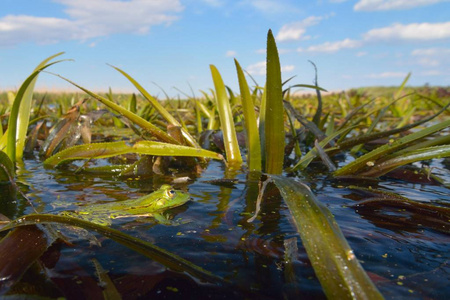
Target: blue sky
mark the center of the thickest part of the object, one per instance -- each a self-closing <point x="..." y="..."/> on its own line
<point x="173" y="42"/>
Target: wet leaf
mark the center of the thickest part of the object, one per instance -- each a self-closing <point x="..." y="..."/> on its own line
<point x="336" y="266"/>
<point x="158" y="254"/>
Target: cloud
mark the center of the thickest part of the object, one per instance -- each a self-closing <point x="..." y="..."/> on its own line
<point x="294" y="31"/>
<point x="330" y="47"/>
<point x="376" y="5"/>
<point x="387" y="75"/>
<point x="259" y="68"/>
<point x="230" y="53"/>
<point x="410" y="32"/>
<point x="89" y="19"/>
<point x="432" y="57"/>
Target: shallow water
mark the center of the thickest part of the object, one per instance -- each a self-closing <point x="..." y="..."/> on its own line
<point x="404" y="256"/>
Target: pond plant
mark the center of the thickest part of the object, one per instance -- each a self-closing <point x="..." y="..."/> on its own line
<point x="267" y="137"/>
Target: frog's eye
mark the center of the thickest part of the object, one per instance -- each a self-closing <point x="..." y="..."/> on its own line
<point x="171" y="193"/>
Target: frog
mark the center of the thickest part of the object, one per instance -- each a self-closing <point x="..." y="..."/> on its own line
<point x="152" y="205"/>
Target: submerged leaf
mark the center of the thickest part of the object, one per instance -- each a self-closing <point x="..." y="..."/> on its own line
<point x="158" y="254"/>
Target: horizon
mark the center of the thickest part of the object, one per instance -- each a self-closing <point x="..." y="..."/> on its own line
<point x="171" y="43"/>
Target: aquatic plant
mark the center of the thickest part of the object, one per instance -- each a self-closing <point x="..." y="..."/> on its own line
<point x="284" y="134"/>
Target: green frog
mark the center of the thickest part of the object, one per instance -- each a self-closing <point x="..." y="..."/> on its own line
<point x="152" y="205"/>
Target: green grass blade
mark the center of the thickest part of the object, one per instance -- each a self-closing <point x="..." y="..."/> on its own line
<point x="11" y="145"/>
<point x="407" y="158"/>
<point x="144" y="124"/>
<point x="6" y="167"/>
<point x="104" y="150"/>
<point x="226" y="120"/>
<point x="251" y="127"/>
<point x="274" y="111"/>
<point x="337" y="268"/>
<point x="309" y="157"/>
<point x="369" y="159"/>
<point x="25" y="109"/>
<point x="147" y="249"/>
<point x="161" y="110"/>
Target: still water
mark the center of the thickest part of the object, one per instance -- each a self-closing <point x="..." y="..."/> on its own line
<point x="404" y="248"/>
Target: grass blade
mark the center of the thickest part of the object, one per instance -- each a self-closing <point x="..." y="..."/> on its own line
<point x="409" y="157"/>
<point x="160" y="255"/>
<point x="226" y="120"/>
<point x="274" y="111"/>
<point x="11" y="144"/>
<point x="104" y="150"/>
<point x="369" y="159"/>
<point x="144" y="124"/>
<point x="337" y="268"/>
<point x="162" y="111"/>
<point x="251" y="127"/>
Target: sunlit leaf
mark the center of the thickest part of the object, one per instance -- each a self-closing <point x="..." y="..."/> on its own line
<point x="226" y="120"/>
<point x="274" y="111"/>
<point x="251" y="127"/>
<point x="336" y="266"/>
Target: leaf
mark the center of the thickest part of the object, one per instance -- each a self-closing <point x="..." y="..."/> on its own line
<point x="226" y="120"/>
<point x="11" y="145"/>
<point x="384" y="167"/>
<point x="25" y="109"/>
<point x="147" y="126"/>
<point x="103" y="150"/>
<point x="162" y="111"/>
<point x="274" y="111"/>
<point x="251" y="127"/>
<point x="6" y="167"/>
<point x="368" y="159"/>
<point x="158" y="254"/>
<point x="336" y="266"/>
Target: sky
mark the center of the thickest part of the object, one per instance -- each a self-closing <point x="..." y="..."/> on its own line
<point x="168" y="45"/>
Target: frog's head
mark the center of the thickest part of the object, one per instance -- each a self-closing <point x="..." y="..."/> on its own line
<point x="168" y="197"/>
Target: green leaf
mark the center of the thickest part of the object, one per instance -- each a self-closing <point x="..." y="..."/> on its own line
<point x="251" y="127"/>
<point x="380" y="169"/>
<point x="11" y="145"/>
<point x="162" y="111"/>
<point x="104" y="150"/>
<point x="336" y="266"/>
<point x="274" y="111"/>
<point x="158" y="254"/>
<point x="368" y="159"/>
<point x="144" y="124"/>
<point x="226" y="120"/>
<point x="6" y="167"/>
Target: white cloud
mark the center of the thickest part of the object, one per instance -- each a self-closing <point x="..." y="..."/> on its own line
<point x="259" y="68"/>
<point x="88" y="19"/>
<point x="410" y="32"/>
<point x="230" y="53"/>
<point x="294" y="31"/>
<point x="288" y="68"/>
<point x="361" y="53"/>
<point x="374" y="5"/>
<point x="330" y="47"/>
<point x="387" y="75"/>
<point x="432" y="57"/>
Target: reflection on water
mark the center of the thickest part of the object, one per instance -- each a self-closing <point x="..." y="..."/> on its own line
<point x="403" y="247"/>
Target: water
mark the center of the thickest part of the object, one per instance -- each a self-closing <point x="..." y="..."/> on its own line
<point x="404" y="251"/>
